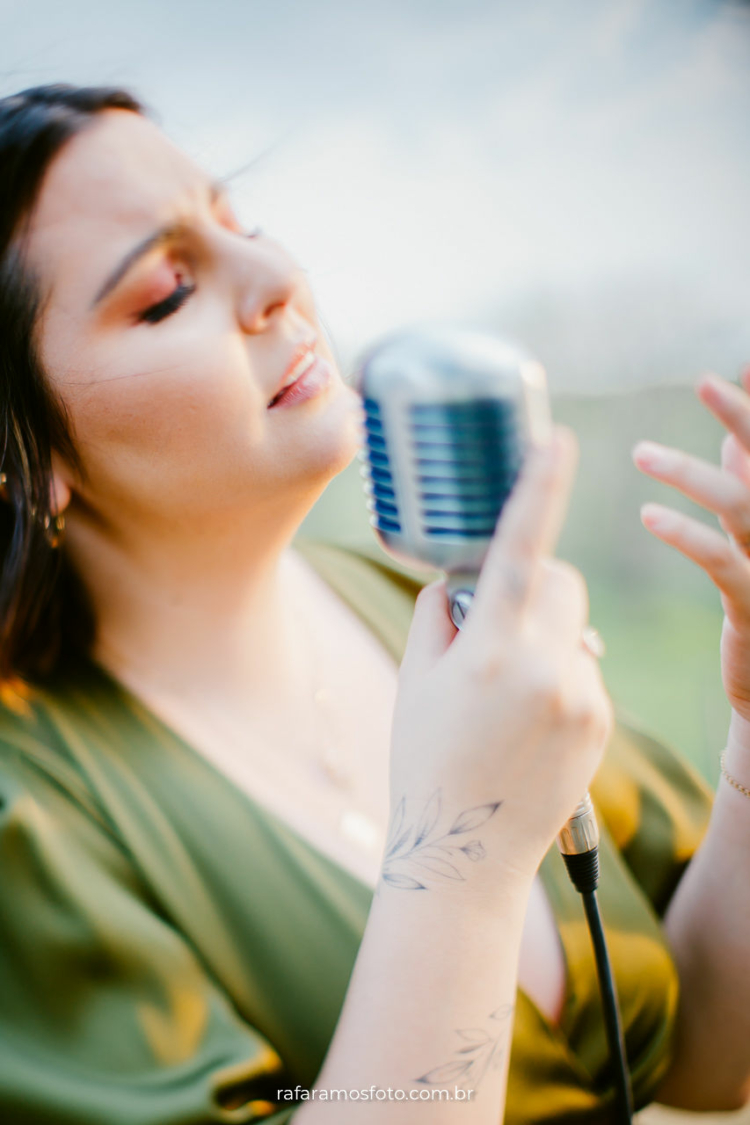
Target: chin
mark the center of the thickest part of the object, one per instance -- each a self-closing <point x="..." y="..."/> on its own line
<point x="326" y="439"/>
<point x="341" y="430"/>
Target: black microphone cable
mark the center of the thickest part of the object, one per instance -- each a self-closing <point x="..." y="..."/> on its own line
<point x="583" y="869"/>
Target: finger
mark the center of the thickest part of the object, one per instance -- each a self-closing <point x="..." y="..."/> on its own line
<point x="527" y="530"/>
<point x="724" y="563"/>
<point x="735" y="459"/>
<point x="729" y="403"/>
<point x="560" y="604"/>
<point x="431" y="631"/>
<point x="711" y="487"/>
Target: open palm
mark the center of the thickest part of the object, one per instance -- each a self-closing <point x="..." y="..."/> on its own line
<point x="725" y="491"/>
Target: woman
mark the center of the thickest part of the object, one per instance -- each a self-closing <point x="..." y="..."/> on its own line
<point x="187" y="935"/>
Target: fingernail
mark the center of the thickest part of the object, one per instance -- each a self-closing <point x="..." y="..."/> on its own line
<point x="650" y="455"/>
<point x="655" y="517"/>
<point x="710" y="381"/>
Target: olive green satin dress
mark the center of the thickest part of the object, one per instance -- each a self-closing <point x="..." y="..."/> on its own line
<point x="171" y="953"/>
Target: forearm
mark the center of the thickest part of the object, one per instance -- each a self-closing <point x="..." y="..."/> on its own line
<point x="430" y="1003"/>
<point x="708" y="928"/>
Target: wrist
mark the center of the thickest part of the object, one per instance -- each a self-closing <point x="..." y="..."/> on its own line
<point x="457" y="847"/>
<point x="738" y="742"/>
<point x="730" y="822"/>
<point x="485" y="891"/>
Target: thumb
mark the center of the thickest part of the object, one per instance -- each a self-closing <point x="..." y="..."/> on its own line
<point x="431" y="631"/>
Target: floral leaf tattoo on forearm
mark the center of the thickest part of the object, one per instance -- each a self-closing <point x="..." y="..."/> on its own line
<point x="419" y="847"/>
<point x="481" y="1051"/>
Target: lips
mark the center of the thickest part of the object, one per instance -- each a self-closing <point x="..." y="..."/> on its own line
<point x="301" y="361"/>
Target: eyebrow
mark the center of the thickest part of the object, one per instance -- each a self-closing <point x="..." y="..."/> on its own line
<point x="161" y="237"/>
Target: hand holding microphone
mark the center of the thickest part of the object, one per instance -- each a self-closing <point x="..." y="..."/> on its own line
<point x="512" y="707"/>
<point x="451" y="419"/>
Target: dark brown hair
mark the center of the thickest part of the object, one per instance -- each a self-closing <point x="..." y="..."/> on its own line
<point x="43" y="608"/>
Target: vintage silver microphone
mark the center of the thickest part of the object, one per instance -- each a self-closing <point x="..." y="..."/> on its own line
<point x="448" y="415"/>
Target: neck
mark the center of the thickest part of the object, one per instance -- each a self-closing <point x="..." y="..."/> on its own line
<point x="211" y="616"/>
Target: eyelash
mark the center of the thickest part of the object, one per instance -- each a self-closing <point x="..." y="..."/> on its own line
<point x="179" y="296"/>
<point x="170" y="305"/>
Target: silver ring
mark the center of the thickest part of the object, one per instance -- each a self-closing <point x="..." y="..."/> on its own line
<point x="592" y="641"/>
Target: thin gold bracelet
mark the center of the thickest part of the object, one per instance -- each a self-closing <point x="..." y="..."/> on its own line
<point x="731" y="780"/>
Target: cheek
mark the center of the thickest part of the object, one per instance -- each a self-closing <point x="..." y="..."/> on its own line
<point x="185" y="400"/>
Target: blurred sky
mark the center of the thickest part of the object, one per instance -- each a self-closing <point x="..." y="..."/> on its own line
<point x="574" y="171"/>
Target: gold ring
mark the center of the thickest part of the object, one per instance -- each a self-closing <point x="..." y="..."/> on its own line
<point x="592" y="641"/>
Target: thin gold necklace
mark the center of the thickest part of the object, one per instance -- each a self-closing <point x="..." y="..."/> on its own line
<point x="329" y="757"/>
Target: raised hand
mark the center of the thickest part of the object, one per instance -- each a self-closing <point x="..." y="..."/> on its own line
<point x="725" y="491"/>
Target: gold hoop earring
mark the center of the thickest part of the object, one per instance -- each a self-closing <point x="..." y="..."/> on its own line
<point x="54" y="529"/>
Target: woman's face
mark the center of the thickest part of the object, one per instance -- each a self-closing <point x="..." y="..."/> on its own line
<point x="167" y="367"/>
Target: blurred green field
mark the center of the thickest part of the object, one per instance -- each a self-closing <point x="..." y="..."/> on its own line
<point x="658" y="613"/>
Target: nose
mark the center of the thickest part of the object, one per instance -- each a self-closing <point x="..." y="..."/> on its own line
<point x="269" y="283"/>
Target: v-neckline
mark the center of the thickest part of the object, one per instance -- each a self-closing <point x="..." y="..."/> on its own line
<point x="554" y="880"/>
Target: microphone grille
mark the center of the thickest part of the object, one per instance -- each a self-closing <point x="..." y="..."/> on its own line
<point x="466" y="458"/>
<point x="383" y="500"/>
<point x="447" y="417"/>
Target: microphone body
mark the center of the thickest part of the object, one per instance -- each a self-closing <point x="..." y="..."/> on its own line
<point x="449" y="414"/>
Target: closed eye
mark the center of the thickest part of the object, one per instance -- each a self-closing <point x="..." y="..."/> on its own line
<point x="169" y="305"/>
<point x="180" y="295"/>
